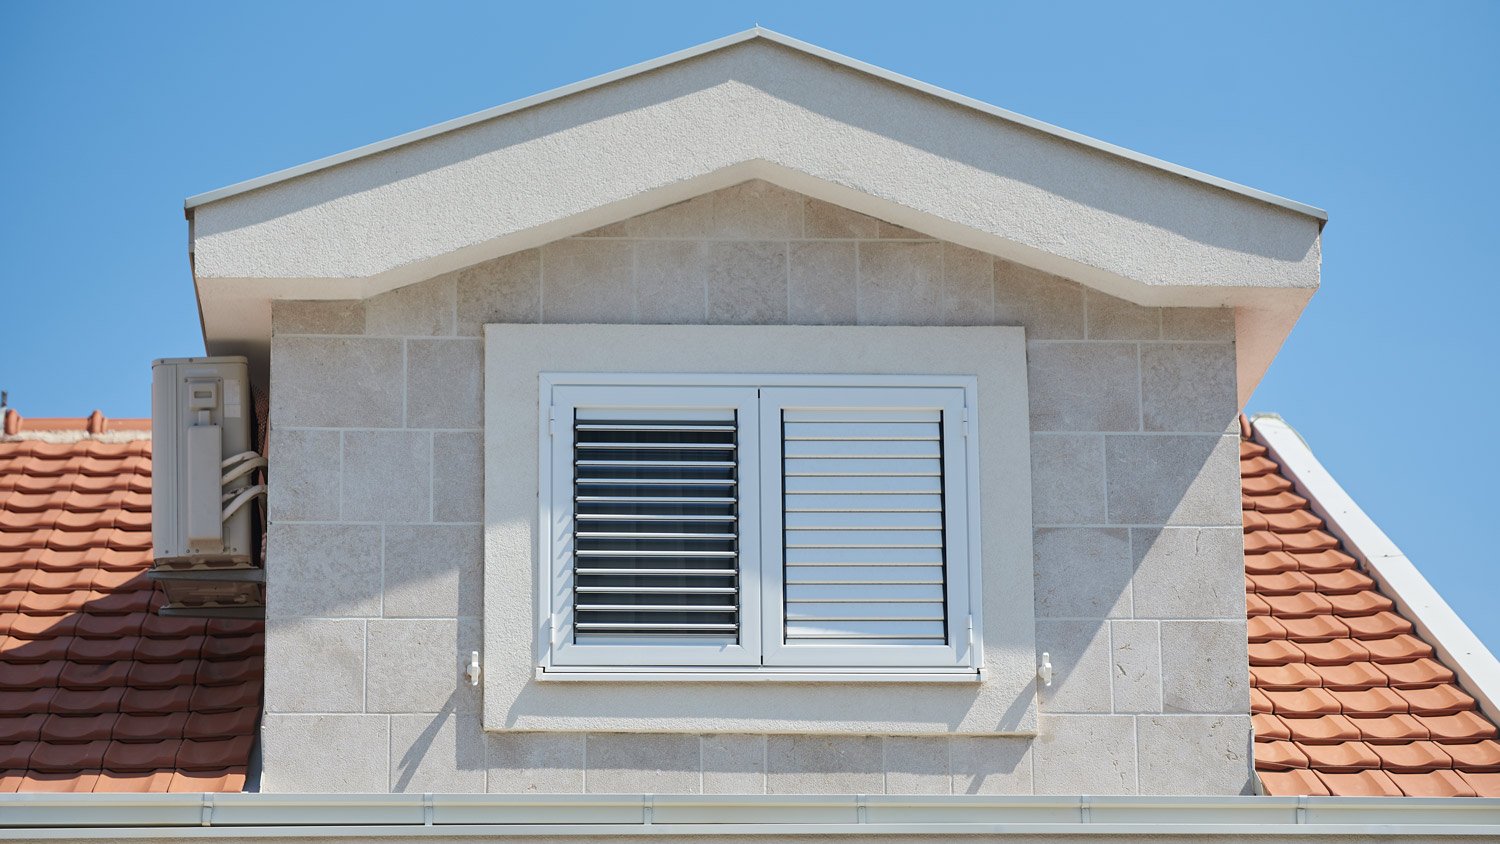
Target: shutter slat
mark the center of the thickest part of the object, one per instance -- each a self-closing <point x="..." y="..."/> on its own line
<point x="655" y="526"/>
<point x="864" y="557"/>
<point x="872" y="486"/>
<point x="863" y="526"/>
<point x="907" y="592"/>
<point x="887" y="503"/>
<point x="835" y="449"/>
<point x="800" y="575"/>
<point x="866" y="520"/>
<point x="863" y="467"/>
<point x="795" y="431"/>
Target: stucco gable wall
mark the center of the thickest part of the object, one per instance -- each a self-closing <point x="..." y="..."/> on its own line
<point x="375" y="560"/>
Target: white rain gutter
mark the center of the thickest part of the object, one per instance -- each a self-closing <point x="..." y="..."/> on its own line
<point x="410" y="816"/>
<point x="718" y="44"/>
<point x="1456" y="645"/>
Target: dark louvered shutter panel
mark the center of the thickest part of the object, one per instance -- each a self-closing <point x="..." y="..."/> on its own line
<point x="864" y="526"/>
<point x="655" y="527"/>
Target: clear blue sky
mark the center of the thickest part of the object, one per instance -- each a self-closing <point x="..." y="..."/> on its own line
<point x="1385" y="114"/>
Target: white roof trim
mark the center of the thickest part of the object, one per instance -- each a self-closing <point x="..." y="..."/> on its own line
<point x="76" y="817"/>
<point x="719" y="44"/>
<point x="1457" y="646"/>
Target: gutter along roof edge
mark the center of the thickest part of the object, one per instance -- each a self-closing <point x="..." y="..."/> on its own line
<point x="98" y="816"/>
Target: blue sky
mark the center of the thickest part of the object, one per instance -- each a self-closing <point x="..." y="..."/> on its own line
<point x="1385" y="114"/>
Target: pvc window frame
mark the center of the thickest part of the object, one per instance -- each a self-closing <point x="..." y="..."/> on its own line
<point x="767" y="657"/>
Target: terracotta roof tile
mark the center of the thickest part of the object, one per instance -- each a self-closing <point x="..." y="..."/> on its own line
<point x="1293" y="675"/>
<point x="1340" y="756"/>
<point x="1478" y="756"/>
<point x="1269" y="728"/>
<point x="1278" y="756"/>
<point x="1275" y="652"/>
<point x="1463" y="726"/>
<point x="1390" y="728"/>
<point x="1303" y="702"/>
<point x="1334" y="652"/>
<point x="1351" y="676"/>
<point x="1347" y="700"/>
<point x="98" y="691"/>
<point x="1484" y="785"/>
<point x="1437" y="700"/>
<point x="1323" y="728"/>
<point x="1413" y="756"/>
<point x="1292" y="782"/>
<point x="1420" y="672"/>
<point x="1367" y="783"/>
<point x="1435" y="783"/>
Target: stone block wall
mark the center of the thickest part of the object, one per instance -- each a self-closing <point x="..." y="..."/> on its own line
<point x="375" y="559"/>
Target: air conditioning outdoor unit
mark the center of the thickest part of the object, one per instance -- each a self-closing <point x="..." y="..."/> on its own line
<point x="203" y="488"/>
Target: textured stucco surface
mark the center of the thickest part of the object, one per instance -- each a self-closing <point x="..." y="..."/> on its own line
<point x="1134" y="498"/>
<point x="754" y="102"/>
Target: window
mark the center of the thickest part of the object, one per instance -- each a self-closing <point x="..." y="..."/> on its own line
<point x="788" y="524"/>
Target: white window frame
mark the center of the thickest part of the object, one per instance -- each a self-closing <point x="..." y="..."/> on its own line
<point x="961" y="658"/>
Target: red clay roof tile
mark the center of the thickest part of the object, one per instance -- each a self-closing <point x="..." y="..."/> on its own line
<point x="1476" y="756"/>
<point x="79" y="727"/>
<point x="1334" y="652"/>
<point x="1275" y="652"/>
<point x="1368" y="783"/>
<point x="1305" y="702"/>
<point x="1389" y="728"/>
<point x="1314" y="628"/>
<point x="1293" y="675"/>
<point x="1434" y="783"/>
<point x="1437" y="700"/>
<point x="21" y="727"/>
<point x="1412" y="757"/>
<point x="1340" y="756"/>
<point x="1484" y="785"/>
<point x="134" y="781"/>
<point x="1292" y="782"/>
<point x="1269" y="728"/>
<point x="1421" y="672"/>
<point x="1463" y="726"/>
<point x="1355" y="693"/>
<point x="1323" y="728"/>
<point x="1279" y="756"/>
<point x="80" y="638"/>
<point x="1351" y="676"/>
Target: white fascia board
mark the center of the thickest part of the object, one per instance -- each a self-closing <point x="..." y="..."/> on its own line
<point x="694" y="817"/>
<point x="1455" y="644"/>
<point x="718" y="44"/>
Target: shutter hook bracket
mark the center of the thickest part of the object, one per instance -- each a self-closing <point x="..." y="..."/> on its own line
<point x="1044" y="670"/>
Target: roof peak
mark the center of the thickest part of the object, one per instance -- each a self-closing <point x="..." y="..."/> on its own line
<point x="754" y="33"/>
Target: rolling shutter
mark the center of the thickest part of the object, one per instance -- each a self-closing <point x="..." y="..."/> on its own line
<point x="863" y="522"/>
<point x="656" y="514"/>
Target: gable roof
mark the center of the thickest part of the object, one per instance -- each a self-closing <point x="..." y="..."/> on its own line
<point x="97" y="691"/>
<point x="1349" y="696"/>
<point x="752" y="106"/>
<point x="756" y="32"/>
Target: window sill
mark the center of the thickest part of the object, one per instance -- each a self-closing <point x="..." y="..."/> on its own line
<point x="705" y="675"/>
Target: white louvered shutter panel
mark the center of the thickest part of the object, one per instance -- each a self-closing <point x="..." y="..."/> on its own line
<point x="870" y="522"/>
<point x="657" y="563"/>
